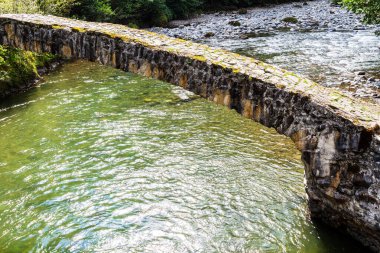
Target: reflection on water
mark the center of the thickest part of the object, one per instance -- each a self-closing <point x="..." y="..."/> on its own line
<point x="98" y="160"/>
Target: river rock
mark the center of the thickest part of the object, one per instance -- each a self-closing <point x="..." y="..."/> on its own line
<point x="338" y="135"/>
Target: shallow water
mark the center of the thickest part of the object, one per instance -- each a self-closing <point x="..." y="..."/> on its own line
<point x="325" y="57"/>
<point x="327" y="44"/>
<point x="98" y="160"/>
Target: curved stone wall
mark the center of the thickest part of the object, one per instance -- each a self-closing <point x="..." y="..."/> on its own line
<point x="339" y="136"/>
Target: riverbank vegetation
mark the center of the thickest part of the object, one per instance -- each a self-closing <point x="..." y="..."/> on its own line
<point x="132" y="12"/>
<point x="141" y="13"/>
<point x="370" y="9"/>
<point x="18" y="67"/>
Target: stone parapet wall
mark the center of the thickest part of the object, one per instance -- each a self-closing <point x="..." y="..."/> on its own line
<point x="339" y="136"/>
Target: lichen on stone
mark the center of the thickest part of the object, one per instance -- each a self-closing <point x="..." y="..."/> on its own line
<point x="78" y="29"/>
<point x="57" y="27"/>
<point x="199" y="58"/>
<point x="227" y="60"/>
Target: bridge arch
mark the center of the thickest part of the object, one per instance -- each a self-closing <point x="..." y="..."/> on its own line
<point x="339" y="136"/>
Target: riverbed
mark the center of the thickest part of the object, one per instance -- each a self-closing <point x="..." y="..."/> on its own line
<point x="98" y="160"/>
<point x="325" y="43"/>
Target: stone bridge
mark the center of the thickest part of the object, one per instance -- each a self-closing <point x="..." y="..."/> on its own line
<point x="339" y="136"/>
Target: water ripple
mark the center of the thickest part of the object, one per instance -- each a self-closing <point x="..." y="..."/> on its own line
<point x="97" y="160"/>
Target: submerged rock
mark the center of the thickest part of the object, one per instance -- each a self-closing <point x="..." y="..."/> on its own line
<point x="339" y="136"/>
<point x="234" y="23"/>
<point x="360" y="73"/>
<point x="209" y="34"/>
<point x="317" y="12"/>
<point x="292" y="20"/>
<point x="242" y="11"/>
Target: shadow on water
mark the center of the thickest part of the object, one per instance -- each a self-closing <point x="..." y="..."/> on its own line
<point x="334" y="240"/>
<point x="16" y="100"/>
<point x="97" y="159"/>
<point x="13" y="100"/>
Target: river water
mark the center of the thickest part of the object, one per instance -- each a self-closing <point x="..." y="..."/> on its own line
<point x="325" y="57"/>
<point x="98" y="160"/>
<point x="328" y="44"/>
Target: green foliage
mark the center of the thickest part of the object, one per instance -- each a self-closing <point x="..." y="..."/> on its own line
<point x="234" y="4"/>
<point x="370" y="9"/>
<point x="93" y="10"/>
<point x="56" y="7"/>
<point x="183" y="8"/>
<point x="18" y="6"/>
<point x="18" y="67"/>
<point x="135" y="12"/>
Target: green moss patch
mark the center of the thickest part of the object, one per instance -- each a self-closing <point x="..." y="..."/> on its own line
<point x="292" y="20"/>
<point x="18" y="67"/>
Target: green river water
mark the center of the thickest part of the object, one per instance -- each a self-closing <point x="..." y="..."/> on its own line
<point x="98" y="160"/>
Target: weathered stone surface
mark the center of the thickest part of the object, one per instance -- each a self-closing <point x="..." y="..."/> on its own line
<point x="339" y="136"/>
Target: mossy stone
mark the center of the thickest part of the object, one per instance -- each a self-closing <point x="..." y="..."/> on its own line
<point x="209" y="34"/>
<point x="292" y="20"/>
<point x="234" y="23"/>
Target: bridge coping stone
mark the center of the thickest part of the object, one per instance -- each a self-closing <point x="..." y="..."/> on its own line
<point x="338" y="135"/>
<point x="358" y="111"/>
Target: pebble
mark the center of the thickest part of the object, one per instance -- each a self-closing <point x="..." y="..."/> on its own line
<point x="360" y="73"/>
<point x="371" y="79"/>
<point x="312" y="16"/>
<point x="318" y="15"/>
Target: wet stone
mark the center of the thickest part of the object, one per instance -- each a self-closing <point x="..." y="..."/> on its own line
<point x="252" y="88"/>
<point x="316" y="17"/>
